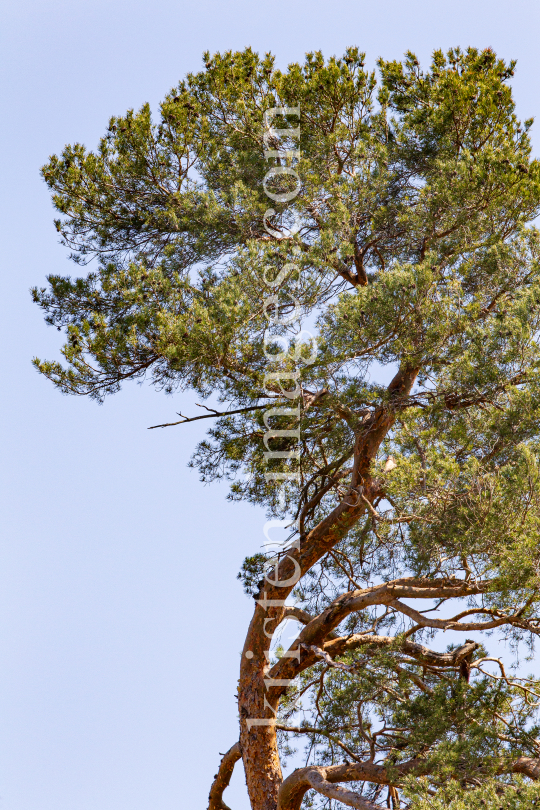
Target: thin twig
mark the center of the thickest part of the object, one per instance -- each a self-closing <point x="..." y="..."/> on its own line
<point x="208" y="415"/>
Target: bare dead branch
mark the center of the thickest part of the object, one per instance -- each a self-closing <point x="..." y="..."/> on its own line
<point x="208" y="415"/>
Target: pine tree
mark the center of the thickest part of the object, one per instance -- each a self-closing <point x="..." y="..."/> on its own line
<point x="399" y="443"/>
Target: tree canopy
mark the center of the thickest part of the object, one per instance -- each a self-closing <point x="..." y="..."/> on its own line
<point x="391" y="212"/>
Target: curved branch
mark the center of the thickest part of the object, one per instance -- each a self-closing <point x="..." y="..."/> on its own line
<point x="455" y="624"/>
<point x="324" y="779"/>
<point x="223" y="777"/>
<point x="419" y="652"/>
<point x="321" y="785"/>
<point x="318" y="630"/>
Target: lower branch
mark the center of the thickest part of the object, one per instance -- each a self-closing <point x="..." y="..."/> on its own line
<point x="324" y="779"/>
<point x="223" y="777"/>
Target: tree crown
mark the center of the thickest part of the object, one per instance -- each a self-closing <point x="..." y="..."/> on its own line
<point x="400" y="228"/>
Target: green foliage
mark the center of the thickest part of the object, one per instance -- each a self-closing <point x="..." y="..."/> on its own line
<point x="252" y="573"/>
<point x="509" y="796"/>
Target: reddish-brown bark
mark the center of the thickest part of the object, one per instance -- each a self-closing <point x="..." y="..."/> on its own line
<point x="223" y="777"/>
<point x="257" y="700"/>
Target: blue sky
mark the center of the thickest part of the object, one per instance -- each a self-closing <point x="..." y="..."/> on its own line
<point x="121" y="617"/>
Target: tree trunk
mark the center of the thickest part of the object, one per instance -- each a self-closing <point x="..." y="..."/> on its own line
<point x="258" y="741"/>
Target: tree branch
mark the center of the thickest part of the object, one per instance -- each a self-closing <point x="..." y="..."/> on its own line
<point x="293" y="789"/>
<point x="455" y="624"/>
<point x="208" y="415"/>
<point x="318" y="782"/>
<point x="223" y="777"/>
<point x="337" y="524"/>
<point x="301" y="780"/>
<point x="319" y="628"/>
<point x="422" y="654"/>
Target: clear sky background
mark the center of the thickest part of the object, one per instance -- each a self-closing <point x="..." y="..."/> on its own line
<point x="121" y="617"/>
